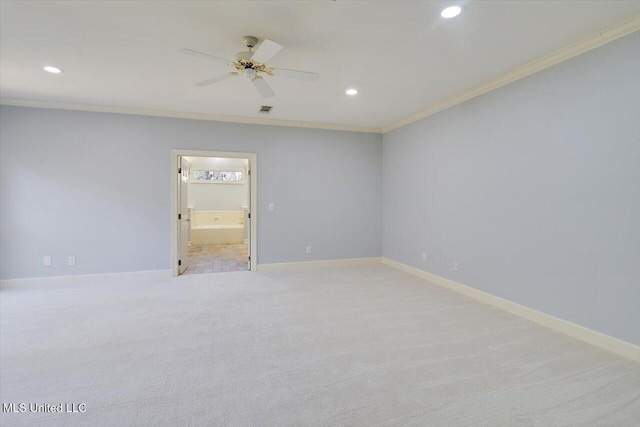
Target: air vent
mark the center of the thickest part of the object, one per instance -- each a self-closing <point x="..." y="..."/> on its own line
<point x="265" y="109"/>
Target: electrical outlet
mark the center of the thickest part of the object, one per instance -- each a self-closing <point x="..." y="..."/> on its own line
<point x="308" y="249"/>
<point x="424" y="256"/>
<point x="72" y="260"/>
<point x="456" y="266"/>
<point x="272" y="207"/>
<point x="46" y="261"/>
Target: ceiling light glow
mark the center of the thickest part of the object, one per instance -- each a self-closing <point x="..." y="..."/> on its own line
<point x="351" y="92"/>
<point x="53" y="70"/>
<point x="451" y="12"/>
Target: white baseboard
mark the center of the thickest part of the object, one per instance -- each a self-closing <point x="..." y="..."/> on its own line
<point x="598" y="339"/>
<point x="85" y="278"/>
<point x="319" y="263"/>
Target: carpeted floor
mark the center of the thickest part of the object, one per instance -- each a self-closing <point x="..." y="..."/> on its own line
<point x="347" y="346"/>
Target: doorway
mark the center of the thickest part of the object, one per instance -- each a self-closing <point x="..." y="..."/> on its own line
<point x="213" y="211"/>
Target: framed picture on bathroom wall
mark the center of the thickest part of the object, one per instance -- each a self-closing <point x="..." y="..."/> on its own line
<point x="217" y="176"/>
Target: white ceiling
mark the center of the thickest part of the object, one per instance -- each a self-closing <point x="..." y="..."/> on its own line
<point x="401" y="55"/>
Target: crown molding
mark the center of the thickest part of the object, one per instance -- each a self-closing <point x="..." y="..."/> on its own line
<point x="596" y="40"/>
<point x="183" y="115"/>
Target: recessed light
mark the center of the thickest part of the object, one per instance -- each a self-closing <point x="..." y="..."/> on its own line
<point x="451" y="12"/>
<point x="53" y="70"/>
<point x="351" y="92"/>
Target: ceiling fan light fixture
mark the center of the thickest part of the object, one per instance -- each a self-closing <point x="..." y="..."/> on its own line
<point x="351" y="92"/>
<point x="253" y="66"/>
<point x="53" y="70"/>
<point x="451" y="12"/>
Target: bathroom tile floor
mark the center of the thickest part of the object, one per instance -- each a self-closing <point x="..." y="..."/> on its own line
<point x="216" y="258"/>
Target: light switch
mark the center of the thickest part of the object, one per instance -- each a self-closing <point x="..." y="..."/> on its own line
<point x="272" y="207"/>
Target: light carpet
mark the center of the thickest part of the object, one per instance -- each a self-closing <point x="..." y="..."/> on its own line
<point x="347" y="346"/>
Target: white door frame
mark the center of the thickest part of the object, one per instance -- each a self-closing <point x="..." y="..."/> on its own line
<point x="253" y="209"/>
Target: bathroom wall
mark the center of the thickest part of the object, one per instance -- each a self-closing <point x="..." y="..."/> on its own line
<point x="217" y="196"/>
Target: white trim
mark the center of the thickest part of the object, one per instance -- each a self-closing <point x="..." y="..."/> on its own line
<point x="253" y="161"/>
<point x="34" y="103"/>
<point x="596" y="40"/>
<point x="605" y="342"/>
<point x="319" y="263"/>
<point x="85" y="278"/>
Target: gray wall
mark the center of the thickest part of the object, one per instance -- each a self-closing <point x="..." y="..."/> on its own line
<point x="533" y="188"/>
<point x="97" y="186"/>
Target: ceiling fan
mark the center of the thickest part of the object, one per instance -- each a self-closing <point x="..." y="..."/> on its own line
<point x="252" y="64"/>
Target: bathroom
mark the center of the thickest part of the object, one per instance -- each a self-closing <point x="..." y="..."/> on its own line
<point x="218" y="197"/>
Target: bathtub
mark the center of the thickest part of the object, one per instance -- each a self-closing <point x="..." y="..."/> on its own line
<point x="217" y="227"/>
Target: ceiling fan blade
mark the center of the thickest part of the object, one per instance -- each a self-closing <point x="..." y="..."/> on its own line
<point x="263" y="87"/>
<point x="204" y="55"/>
<point x="214" y="80"/>
<point x="266" y="50"/>
<point x="304" y="76"/>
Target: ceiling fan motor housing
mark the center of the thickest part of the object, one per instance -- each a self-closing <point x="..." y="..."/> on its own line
<point x="250" y="41"/>
<point x="245" y="54"/>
